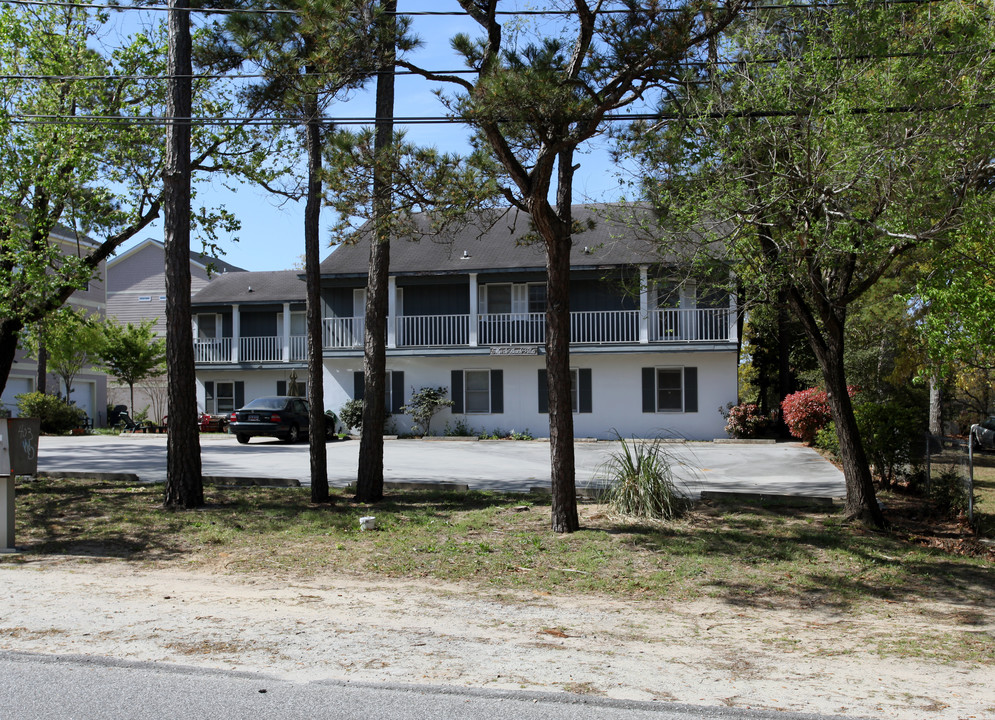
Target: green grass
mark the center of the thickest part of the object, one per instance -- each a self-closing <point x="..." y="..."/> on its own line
<point x="750" y="556"/>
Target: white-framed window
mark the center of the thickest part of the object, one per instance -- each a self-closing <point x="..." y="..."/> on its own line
<point x="537" y="297"/>
<point x="670" y="389"/>
<point x="512" y="298"/>
<point x="144" y="298"/>
<point x="208" y="326"/>
<point x="477" y="391"/>
<point x="224" y="397"/>
<point x="162" y="298"/>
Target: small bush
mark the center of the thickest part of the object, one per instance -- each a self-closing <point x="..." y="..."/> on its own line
<point x="641" y="482"/>
<point x="806" y="412"/>
<point x="746" y="421"/>
<point x="351" y="414"/>
<point x="948" y="491"/>
<point x="423" y="405"/>
<point x="525" y="434"/>
<point x="57" y="416"/>
<point x="458" y="428"/>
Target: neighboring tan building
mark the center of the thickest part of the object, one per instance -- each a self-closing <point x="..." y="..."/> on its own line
<point x="136" y="291"/>
<point x="90" y="386"/>
<point x="652" y="351"/>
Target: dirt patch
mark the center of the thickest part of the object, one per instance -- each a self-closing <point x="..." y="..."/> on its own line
<point x="702" y="652"/>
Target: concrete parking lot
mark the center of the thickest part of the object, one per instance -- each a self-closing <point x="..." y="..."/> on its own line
<point x="784" y="468"/>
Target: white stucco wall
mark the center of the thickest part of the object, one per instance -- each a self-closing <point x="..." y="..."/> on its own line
<point x="616" y="381"/>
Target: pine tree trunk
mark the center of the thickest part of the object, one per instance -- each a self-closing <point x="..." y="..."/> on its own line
<point x="312" y="275"/>
<point x="184" y="483"/>
<point x="369" y="480"/>
<point x="42" y="384"/>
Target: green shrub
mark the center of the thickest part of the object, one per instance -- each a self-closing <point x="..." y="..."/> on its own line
<point x="351" y="414"/>
<point x="458" y="428"/>
<point x="423" y="405"/>
<point x="892" y="433"/>
<point x="57" y="416"/>
<point x="641" y="482"/>
<point x="948" y="491"/>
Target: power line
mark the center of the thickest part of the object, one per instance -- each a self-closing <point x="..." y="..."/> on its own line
<point x="685" y="66"/>
<point x="817" y="5"/>
<point x="108" y="120"/>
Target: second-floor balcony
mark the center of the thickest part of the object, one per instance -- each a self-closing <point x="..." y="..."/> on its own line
<point x="667" y="326"/>
<point x="266" y="349"/>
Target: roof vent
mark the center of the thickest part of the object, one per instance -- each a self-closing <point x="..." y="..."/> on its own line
<point x="587" y="250"/>
<point x="466" y="255"/>
<point x="250" y="288"/>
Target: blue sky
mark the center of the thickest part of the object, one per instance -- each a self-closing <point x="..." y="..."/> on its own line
<point x="271" y="237"/>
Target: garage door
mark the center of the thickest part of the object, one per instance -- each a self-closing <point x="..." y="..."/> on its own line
<point x="15" y="386"/>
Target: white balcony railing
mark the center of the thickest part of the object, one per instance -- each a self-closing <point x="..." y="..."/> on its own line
<point x="604" y="326"/>
<point x="595" y="327"/>
<point x="704" y="325"/>
<point x="344" y="332"/>
<point x="298" y="347"/>
<point x="511" y="329"/>
<point x="433" y="330"/>
<point x="216" y="350"/>
<point x="260" y="349"/>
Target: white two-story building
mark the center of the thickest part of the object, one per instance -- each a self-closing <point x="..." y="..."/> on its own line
<point x="652" y="353"/>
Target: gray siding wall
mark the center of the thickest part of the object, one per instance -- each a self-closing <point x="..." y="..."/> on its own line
<point x="436" y="299"/>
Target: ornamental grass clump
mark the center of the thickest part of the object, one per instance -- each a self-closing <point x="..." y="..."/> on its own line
<point x="640" y="481"/>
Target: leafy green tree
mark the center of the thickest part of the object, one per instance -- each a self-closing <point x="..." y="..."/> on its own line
<point x="536" y="95"/>
<point x="132" y="353"/>
<point x="71" y="341"/>
<point x="68" y="162"/>
<point x="837" y="142"/>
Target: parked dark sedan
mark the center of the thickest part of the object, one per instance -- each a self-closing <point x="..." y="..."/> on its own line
<point x="983" y="434"/>
<point x="280" y="417"/>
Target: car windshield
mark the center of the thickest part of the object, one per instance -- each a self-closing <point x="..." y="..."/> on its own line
<point x="989" y="424"/>
<point x="267" y="403"/>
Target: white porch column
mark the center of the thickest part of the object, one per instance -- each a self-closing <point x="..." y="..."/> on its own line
<point x="473" y="310"/>
<point x="286" y="332"/>
<point x="644" y="305"/>
<point x="236" y="333"/>
<point x="733" y="320"/>
<point x="392" y="312"/>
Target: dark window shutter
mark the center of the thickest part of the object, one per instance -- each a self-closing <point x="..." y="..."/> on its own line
<point x="209" y="390"/>
<point x="497" y="391"/>
<point x="543" y="392"/>
<point x="358" y="385"/>
<point x="649" y="390"/>
<point x="281" y="387"/>
<point x="239" y="394"/>
<point x="584" y="394"/>
<point x="456" y="391"/>
<point x="690" y="389"/>
<point x="396" y="391"/>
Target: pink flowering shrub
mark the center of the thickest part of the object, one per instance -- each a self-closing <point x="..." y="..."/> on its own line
<point x="806" y="412"/>
<point x="746" y="421"/>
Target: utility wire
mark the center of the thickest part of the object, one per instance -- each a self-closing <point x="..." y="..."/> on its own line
<point x="818" y="5"/>
<point x="98" y="120"/>
<point x="684" y="66"/>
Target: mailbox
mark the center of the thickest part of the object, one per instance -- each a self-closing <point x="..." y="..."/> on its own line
<point x="19" y="446"/>
<point x="18" y="456"/>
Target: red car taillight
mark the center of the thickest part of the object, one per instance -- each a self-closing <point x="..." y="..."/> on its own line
<point x="233" y="418"/>
<point x="274" y="418"/>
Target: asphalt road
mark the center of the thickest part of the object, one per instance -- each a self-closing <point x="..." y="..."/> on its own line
<point x="41" y="687"/>
<point x="784" y="468"/>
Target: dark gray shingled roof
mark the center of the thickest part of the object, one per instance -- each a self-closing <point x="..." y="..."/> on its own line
<point x="253" y="287"/>
<point x="617" y="238"/>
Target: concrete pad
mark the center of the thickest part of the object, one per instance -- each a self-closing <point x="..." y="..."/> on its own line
<point x="774" y="469"/>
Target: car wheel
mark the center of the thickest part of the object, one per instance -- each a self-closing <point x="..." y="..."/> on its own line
<point x="242" y="438"/>
<point x="293" y="435"/>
